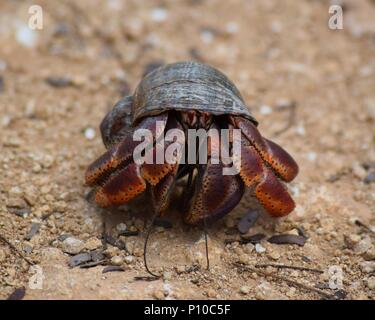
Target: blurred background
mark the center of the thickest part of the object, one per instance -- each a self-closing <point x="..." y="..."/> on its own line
<point x="311" y="87"/>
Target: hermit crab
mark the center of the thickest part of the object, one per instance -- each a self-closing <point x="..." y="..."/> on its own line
<point x="185" y="96"/>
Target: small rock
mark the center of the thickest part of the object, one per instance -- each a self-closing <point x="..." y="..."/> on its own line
<point x="211" y="293"/>
<point x="231" y="27"/>
<point x="368" y="266"/>
<point x="121" y="227"/>
<point x="265" y="109"/>
<point x="245" y="290"/>
<point x="129" y="259"/>
<point x="359" y="171"/>
<point x="72" y="245"/>
<point x="274" y="255"/>
<point x="59" y="81"/>
<point x="249" y="248"/>
<point x="259" y="248"/>
<point x="351" y="240"/>
<point x="247" y="221"/>
<point x="369" y="178"/>
<point x="371" y="283"/>
<point x="26" y="36"/>
<point x="79" y="259"/>
<point x="180" y="269"/>
<point x="167" y="275"/>
<point x="363" y="246"/>
<point x="265" y="291"/>
<point x="243" y="258"/>
<point x="159" y="14"/>
<point x="159" y="295"/>
<point x="117" y="260"/>
<point x="293" y="232"/>
<point x="369" y="254"/>
<point x="89" y="133"/>
<point x="93" y="243"/>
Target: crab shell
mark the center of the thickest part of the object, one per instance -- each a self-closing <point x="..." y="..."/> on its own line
<point x="189" y="89"/>
<point x="186" y="86"/>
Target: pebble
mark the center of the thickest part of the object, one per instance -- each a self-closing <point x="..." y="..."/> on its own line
<point x="265" y="109"/>
<point x="72" y="245"/>
<point x="159" y="14"/>
<point x="265" y="291"/>
<point x="167" y="275"/>
<point x="231" y="27"/>
<point x="249" y="248"/>
<point x="180" y="269"/>
<point x="121" y="227"/>
<point x="243" y="258"/>
<point x="274" y="255"/>
<point x="79" y="259"/>
<point x="245" y="290"/>
<point x="211" y="293"/>
<point x="129" y="259"/>
<point x="363" y="246"/>
<point x="369" y="178"/>
<point x="247" y="221"/>
<point x="93" y="243"/>
<point x="369" y="254"/>
<point x="368" y="266"/>
<point x="359" y="171"/>
<point x="26" y="36"/>
<point x="259" y="248"/>
<point x="293" y="232"/>
<point x="89" y="133"/>
<point x="371" y="283"/>
<point x="117" y="260"/>
<point x="207" y="36"/>
<point x="159" y="294"/>
<point x="351" y="240"/>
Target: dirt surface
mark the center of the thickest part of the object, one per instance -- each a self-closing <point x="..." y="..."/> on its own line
<point x="56" y="85"/>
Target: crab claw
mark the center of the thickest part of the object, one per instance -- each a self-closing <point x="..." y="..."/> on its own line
<point x="280" y="160"/>
<point x="215" y="194"/>
<point x="123" y="151"/>
<point x="122" y="187"/>
<point x="273" y="195"/>
<point x="161" y="192"/>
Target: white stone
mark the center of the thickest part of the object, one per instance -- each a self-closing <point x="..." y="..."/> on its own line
<point x="159" y="14"/>
<point x="72" y="245"/>
<point x="89" y="133"/>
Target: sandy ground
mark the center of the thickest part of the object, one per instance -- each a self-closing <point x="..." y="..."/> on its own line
<point x="278" y="54"/>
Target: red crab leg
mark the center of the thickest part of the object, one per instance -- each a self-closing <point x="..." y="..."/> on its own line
<point x="155" y="172"/>
<point x="215" y="194"/>
<point x="276" y="156"/>
<point x="122" y="151"/>
<point x="161" y="192"/>
<point x="268" y="189"/>
<point x="122" y="187"/>
<point x="273" y="195"/>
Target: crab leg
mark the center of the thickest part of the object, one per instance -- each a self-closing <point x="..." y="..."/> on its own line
<point x="268" y="189"/>
<point x="280" y="161"/>
<point x="123" y="151"/>
<point x="215" y="194"/>
<point x="122" y="187"/>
